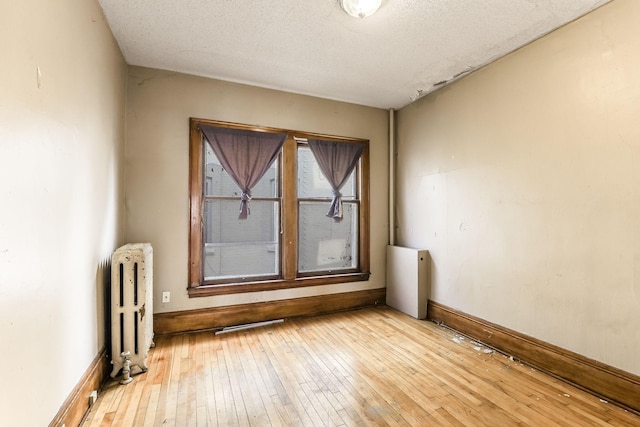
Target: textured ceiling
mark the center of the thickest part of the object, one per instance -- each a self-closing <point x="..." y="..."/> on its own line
<point x="406" y="50"/>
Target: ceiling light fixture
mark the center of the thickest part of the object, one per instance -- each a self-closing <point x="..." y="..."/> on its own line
<point x="360" y="8"/>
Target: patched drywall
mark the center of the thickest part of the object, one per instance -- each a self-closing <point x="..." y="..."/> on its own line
<point x="522" y="181"/>
<point x="62" y="86"/>
<point x="159" y="105"/>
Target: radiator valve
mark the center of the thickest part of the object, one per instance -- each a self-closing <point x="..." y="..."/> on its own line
<point x="126" y="368"/>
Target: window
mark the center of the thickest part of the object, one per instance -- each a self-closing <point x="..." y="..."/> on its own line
<point x="287" y="240"/>
<point x="234" y="248"/>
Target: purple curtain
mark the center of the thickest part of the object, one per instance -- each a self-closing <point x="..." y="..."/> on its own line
<point x="246" y="156"/>
<point x="336" y="160"/>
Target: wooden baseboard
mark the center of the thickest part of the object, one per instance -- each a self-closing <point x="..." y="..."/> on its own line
<point x="77" y="404"/>
<point x="217" y="317"/>
<point x="605" y="381"/>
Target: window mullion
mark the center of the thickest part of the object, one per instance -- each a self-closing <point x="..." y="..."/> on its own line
<point x="289" y="210"/>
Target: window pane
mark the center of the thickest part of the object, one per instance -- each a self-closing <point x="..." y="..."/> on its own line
<point x="241" y="248"/>
<point x="325" y="244"/>
<point x="311" y="181"/>
<point x="219" y="183"/>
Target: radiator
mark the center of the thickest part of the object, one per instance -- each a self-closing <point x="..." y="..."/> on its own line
<point x="131" y="305"/>
<point x="408" y="280"/>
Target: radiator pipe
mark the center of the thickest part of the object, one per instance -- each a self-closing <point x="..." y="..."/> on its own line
<point x="392" y="177"/>
<point x="126" y="368"/>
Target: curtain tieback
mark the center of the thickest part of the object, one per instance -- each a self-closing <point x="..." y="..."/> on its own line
<point x="244" y="205"/>
<point x="335" y="210"/>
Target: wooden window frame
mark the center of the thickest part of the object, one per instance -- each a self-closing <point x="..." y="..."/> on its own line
<point x="289" y="276"/>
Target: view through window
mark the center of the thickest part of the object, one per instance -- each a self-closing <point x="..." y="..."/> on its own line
<point x="287" y="239"/>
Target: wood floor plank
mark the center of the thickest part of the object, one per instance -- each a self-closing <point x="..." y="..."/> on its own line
<point x="141" y="410"/>
<point x="123" y="404"/>
<point x="252" y="367"/>
<point x="369" y="400"/>
<point x="399" y="409"/>
<point x="136" y="396"/>
<point x="185" y="394"/>
<point x="170" y="400"/>
<point x="255" y="407"/>
<point x="367" y="403"/>
<point x="285" y="403"/>
<point x="108" y="419"/>
<point x="359" y="368"/>
<point x="206" y="389"/>
<point x="101" y="407"/>
<point x="154" y="398"/>
<point x="225" y="410"/>
<point x="292" y="377"/>
<point x="236" y="380"/>
<point x="316" y="384"/>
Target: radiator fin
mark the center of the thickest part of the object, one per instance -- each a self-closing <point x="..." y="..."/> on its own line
<point x="135" y="283"/>
<point x="121" y="282"/>
<point x="121" y="332"/>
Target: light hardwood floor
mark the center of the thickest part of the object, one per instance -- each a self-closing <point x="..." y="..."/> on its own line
<point x="365" y="367"/>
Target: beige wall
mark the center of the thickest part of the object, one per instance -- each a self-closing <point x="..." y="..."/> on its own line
<point x="523" y="181"/>
<point x="159" y="105"/>
<point x="61" y="166"/>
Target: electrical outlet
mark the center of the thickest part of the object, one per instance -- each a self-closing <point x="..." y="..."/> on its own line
<point x="166" y="296"/>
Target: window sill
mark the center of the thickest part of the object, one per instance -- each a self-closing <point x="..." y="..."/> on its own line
<point x="271" y="285"/>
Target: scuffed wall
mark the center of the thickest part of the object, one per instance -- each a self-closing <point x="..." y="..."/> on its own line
<point x="62" y="86"/>
<point x="523" y="182"/>
<point x="159" y="104"/>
